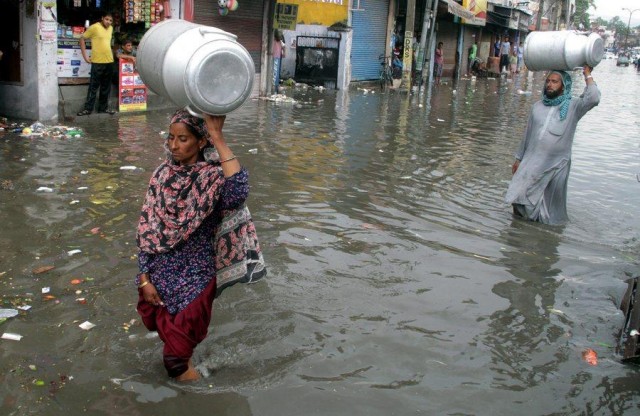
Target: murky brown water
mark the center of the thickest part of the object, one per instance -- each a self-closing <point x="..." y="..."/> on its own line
<point x="398" y="281"/>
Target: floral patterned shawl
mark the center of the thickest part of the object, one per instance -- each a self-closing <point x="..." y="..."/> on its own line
<point x="179" y="198"/>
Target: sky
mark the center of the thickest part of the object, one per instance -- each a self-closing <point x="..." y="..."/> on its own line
<point x="610" y="8"/>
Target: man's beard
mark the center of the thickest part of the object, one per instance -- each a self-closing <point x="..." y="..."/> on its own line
<point x="552" y="94"/>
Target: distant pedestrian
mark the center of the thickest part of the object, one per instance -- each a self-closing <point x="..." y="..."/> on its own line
<point x="538" y="189"/>
<point x="505" y="50"/>
<point x="278" y="51"/>
<point x="513" y="63"/>
<point x="496" y="47"/>
<point x="520" y="55"/>
<point x="473" y="51"/>
<point x="101" y="62"/>
<point x="438" y="63"/>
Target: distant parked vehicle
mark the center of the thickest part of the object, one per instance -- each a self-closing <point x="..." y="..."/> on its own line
<point x="623" y="60"/>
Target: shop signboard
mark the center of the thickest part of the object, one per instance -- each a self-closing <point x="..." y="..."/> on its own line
<point x="479" y="10"/>
<point x="69" y="60"/>
<point x="286" y="16"/>
<point x="132" y="93"/>
<point x="318" y="12"/>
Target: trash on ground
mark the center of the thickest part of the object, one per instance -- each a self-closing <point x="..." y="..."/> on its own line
<point x="8" y="313"/>
<point x="46" y="290"/>
<point x="590" y="356"/>
<point x="72" y="252"/>
<point x="128" y="168"/>
<point x="75" y="201"/>
<point x="24" y="307"/>
<point x="253" y="151"/>
<point x="76" y="281"/>
<point x="86" y="325"/>
<point x="82" y="188"/>
<point x="44" y="189"/>
<point x="11" y="336"/>
<point x="95" y="230"/>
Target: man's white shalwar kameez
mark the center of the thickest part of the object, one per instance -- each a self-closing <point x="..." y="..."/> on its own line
<point x="538" y="189"/>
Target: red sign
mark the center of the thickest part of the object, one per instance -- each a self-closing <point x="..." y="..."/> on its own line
<point x="132" y="93"/>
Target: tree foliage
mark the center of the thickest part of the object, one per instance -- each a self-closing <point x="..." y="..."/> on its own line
<point x="581" y="15"/>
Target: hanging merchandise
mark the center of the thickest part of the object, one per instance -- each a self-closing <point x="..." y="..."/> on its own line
<point x="224" y="6"/>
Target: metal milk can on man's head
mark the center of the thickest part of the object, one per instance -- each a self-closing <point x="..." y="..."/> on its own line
<point x="562" y="50"/>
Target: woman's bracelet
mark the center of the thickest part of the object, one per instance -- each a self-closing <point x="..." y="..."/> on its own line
<point x="143" y="284"/>
<point x="587" y="77"/>
<point x="227" y="160"/>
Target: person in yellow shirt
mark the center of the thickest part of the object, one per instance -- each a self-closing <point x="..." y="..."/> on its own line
<point x="101" y="62"/>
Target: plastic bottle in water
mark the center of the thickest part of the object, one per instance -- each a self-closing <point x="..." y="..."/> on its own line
<point x="37" y="127"/>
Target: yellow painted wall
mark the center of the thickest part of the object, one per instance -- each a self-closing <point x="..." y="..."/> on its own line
<point x="321" y="12"/>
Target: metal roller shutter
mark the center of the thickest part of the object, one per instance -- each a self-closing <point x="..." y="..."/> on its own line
<point x="369" y="38"/>
<point x="245" y="23"/>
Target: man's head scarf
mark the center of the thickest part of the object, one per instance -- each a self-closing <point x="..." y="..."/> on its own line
<point x="562" y="100"/>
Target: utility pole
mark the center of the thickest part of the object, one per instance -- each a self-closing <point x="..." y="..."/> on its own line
<point x="432" y="8"/>
<point x="626" y="38"/>
<point x="407" y="58"/>
<point x="539" y="20"/>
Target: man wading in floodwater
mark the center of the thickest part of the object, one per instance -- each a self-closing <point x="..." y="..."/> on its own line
<point x="538" y="189"/>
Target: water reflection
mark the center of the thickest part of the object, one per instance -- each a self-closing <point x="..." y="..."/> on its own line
<point x="519" y="336"/>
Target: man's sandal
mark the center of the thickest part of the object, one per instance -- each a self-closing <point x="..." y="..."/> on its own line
<point x="84" y="113"/>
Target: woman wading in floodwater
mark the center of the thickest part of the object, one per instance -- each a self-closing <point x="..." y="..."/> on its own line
<point x="195" y="237"/>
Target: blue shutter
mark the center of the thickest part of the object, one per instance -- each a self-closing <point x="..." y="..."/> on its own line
<point x="369" y="38"/>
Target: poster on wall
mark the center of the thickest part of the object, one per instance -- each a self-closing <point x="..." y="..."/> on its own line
<point x="69" y="60"/>
<point x="132" y="93"/>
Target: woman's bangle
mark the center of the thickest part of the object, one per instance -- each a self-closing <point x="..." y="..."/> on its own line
<point x="227" y="160"/>
<point x="143" y="284"/>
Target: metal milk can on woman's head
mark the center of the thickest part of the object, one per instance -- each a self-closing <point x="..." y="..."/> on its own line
<point x="199" y="67"/>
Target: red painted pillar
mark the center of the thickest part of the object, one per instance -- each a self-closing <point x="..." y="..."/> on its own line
<point x="188" y="10"/>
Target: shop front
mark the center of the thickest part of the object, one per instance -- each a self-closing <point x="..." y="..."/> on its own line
<point x="245" y="20"/>
<point x="316" y="39"/>
<point x="131" y="20"/>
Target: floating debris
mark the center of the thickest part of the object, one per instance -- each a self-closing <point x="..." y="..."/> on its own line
<point x="8" y="313"/>
<point x="86" y="325"/>
<point x="72" y="252"/>
<point x="590" y="356"/>
<point x="11" y="336"/>
<point x="128" y="168"/>
<point x="42" y="269"/>
<point x="44" y="189"/>
<point x="280" y="98"/>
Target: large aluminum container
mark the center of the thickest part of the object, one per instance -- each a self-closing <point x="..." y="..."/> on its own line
<point x="199" y="67"/>
<point x="563" y="50"/>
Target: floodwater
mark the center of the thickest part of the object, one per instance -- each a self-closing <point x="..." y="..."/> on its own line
<point x="399" y="283"/>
